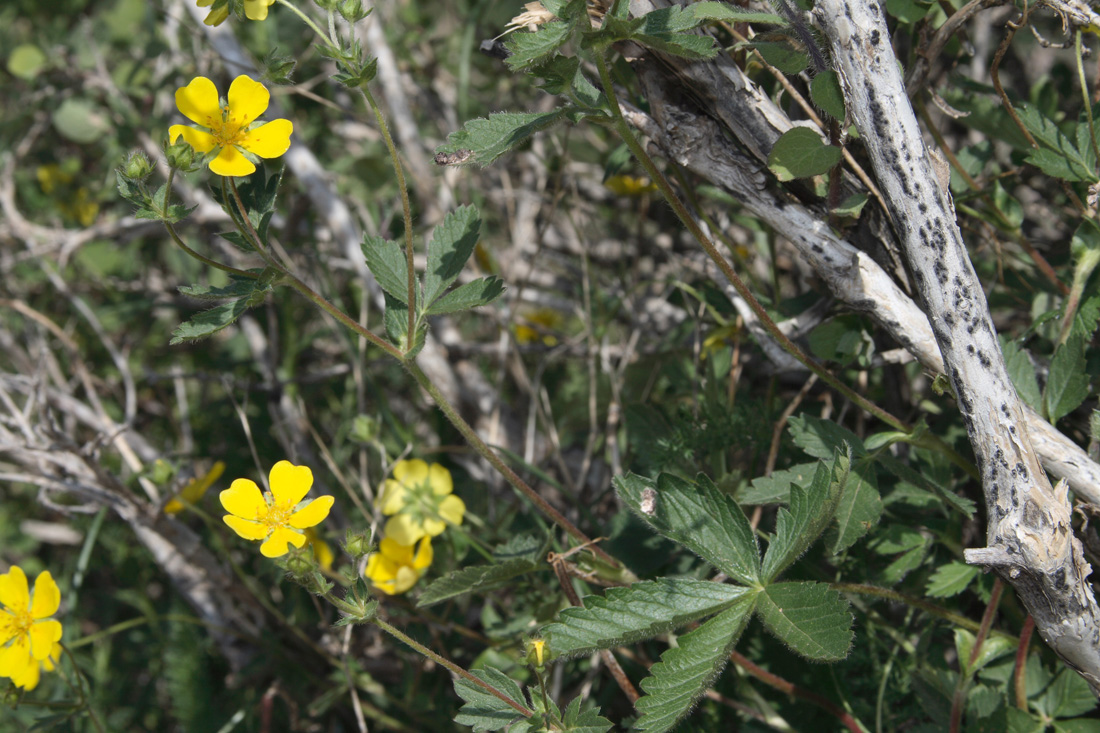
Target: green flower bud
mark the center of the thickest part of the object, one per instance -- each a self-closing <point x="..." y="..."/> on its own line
<point x="180" y="155"/>
<point x="137" y="166"/>
<point x="537" y="653"/>
<point x="301" y="563"/>
<point x="357" y="545"/>
<point x="352" y="10"/>
<point x="327" y="4"/>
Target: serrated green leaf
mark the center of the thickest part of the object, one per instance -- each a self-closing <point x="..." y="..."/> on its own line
<point x="209" y="322"/>
<point x="993" y="648"/>
<point x="811" y="618"/>
<point x="1078" y="725"/>
<point x="451" y="245"/>
<point x="826" y="94"/>
<point x="951" y="579"/>
<point x="782" y="56"/>
<point x="1067" y="383"/>
<point x="917" y="481"/>
<point x="685" y="45"/>
<point x="732" y="14"/>
<point x="1068" y="696"/>
<point x="484" y="711"/>
<point x="387" y="262"/>
<point x="1059" y="156"/>
<point x="563" y="75"/>
<point x="584" y="721"/>
<point x="522" y="547"/>
<point x="1022" y="373"/>
<point x="859" y="509"/>
<point x="237" y="287"/>
<point x="698" y="516"/>
<point x="810" y="512"/>
<point x="685" y="672"/>
<point x="396" y="321"/>
<point x="851" y="206"/>
<point x="530" y="48"/>
<point x="475" y="294"/>
<point x="640" y="611"/>
<point x="822" y="438"/>
<point x="473" y="578"/>
<point x="489" y="138"/>
<point x="801" y="153"/>
<point x="776" y="489"/>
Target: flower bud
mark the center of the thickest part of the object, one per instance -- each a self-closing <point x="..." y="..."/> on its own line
<point x="357" y="545"/>
<point x="301" y="562"/>
<point x="352" y="10"/>
<point x="537" y="653"/>
<point x="137" y="166"/>
<point x="180" y="155"/>
<point x="327" y="4"/>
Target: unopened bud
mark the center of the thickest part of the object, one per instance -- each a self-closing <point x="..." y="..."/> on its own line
<point x="537" y="653"/>
<point x="180" y="155"/>
<point x="352" y="10"/>
<point x="137" y="166"/>
<point x="357" y="545"/>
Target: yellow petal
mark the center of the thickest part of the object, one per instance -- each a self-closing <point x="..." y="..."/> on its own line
<point x="13" y="590"/>
<point x="15" y="658"/>
<point x="276" y="544"/>
<point x="44" y="634"/>
<point x="393" y="497"/>
<point x="424" y="555"/>
<point x="50" y="663"/>
<point x="204" y="3"/>
<point x="198" y="101"/>
<point x="411" y="473"/>
<point x="312" y="513"/>
<point x="244" y="528"/>
<point x="247" y="99"/>
<point x="201" y="141"/>
<point x="196" y="488"/>
<point x="269" y="140"/>
<point x="434" y="527"/>
<point x="257" y="9"/>
<point x="324" y="554"/>
<point x="381" y="572"/>
<point x="406" y="578"/>
<point x="244" y="499"/>
<point x="29" y="678"/>
<point x="47" y="597"/>
<point x="290" y="483"/>
<point x="439" y="479"/>
<point x="396" y="552"/>
<point x="403" y="530"/>
<point x="452" y="509"/>
<point x="230" y="163"/>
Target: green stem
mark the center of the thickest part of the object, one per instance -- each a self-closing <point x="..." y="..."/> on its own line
<point x="498" y="463"/>
<point x="307" y="291"/>
<point x="406" y="209"/>
<point x="179" y="242"/>
<point x="623" y="128"/>
<point x="309" y="21"/>
<point x="1085" y="90"/>
<point x="444" y="662"/>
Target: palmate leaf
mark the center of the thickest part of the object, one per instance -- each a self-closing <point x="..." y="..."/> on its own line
<point x="484" y="711"/>
<point x="809" y="513"/>
<point x="386" y="261"/>
<point x="1067" y="383"/>
<point x="475" y="294"/>
<point x="485" y="140"/>
<point x="811" y="618"/>
<point x="209" y="322"/>
<point x="684" y="673"/>
<point x="640" y="611"/>
<point x="577" y="720"/>
<point x="698" y="516"/>
<point x="531" y="48"/>
<point x="451" y="245"/>
<point x="859" y="509"/>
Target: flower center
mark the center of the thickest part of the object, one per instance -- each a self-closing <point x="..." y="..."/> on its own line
<point x="229" y="130"/>
<point x="14" y="625"/>
<point x="276" y="517"/>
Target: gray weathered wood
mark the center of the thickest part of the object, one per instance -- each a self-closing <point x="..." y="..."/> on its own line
<point x="1030" y="539"/>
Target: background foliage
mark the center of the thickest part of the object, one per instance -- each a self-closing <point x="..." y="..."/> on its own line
<point x="616" y="363"/>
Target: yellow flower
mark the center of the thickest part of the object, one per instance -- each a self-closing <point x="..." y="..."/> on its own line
<point x="420" y="495"/>
<point x="253" y="10"/>
<point x="630" y="185"/>
<point x="230" y="129"/>
<point x="538" y="323"/>
<point x="31" y="676"/>
<point x="195" y="489"/>
<point x="395" y="567"/>
<point x="324" y="554"/>
<point x="27" y="633"/>
<point x="274" y="516"/>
